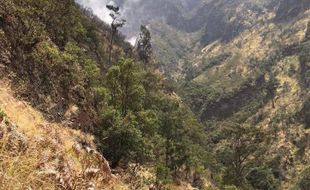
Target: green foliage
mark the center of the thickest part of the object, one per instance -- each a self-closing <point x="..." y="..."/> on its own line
<point x="240" y="145"/>
<point x="144" y="46"/>
<point x="63" y="19"/>
<point x="60" y="59"/>
<point x="65" y="68"/>
<point x="124" y="123"/>
<point x="124" y="141"/>
<point x="262" y="178"/>
<point x="197" y="96"/>
<point x="52" y="56"/>
<point x="307" y="74"/>
<point x="163" y="174"/>
<point x="126" y="90"/>
<point x="140" y="123"/>
<point x="271" y="87"/>
<point x="60" y="53"/>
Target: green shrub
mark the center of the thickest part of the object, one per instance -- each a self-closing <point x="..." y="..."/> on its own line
<point x="262" y="178"/>
<point x="163" y="174"/>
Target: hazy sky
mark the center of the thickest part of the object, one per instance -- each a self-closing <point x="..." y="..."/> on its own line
<point x="98" y="7"/>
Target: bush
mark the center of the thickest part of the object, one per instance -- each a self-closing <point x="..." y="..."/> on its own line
<point x="262" y="178"/>
<point x="122" y="141"/>
<point x="163" y="174"/>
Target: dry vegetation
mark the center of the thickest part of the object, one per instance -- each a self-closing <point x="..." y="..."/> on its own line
<point x="37" y="154"/>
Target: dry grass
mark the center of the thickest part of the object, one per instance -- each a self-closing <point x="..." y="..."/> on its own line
<point x="19" y="170"/>
<point x="38" y="154"/>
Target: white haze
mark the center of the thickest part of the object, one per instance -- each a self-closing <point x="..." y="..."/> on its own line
<point x="99" y="9"/>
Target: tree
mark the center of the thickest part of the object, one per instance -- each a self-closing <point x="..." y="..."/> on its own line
<point x="272" y="86"/>
<point x="117" y="23"/>
<point x="126" y="89"/>
<point x="122" y="140"/>
<point x="184" y="140"/>
<point x="241" y="144"/>
<point x="141" y="124"/>
<point x="144" y="46"/>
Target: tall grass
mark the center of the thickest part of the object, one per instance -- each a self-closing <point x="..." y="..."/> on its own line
<point x="19" y="170"/>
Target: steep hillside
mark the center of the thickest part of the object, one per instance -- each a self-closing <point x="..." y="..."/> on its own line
<point x="257" y="77"/>
<point x="39" y="154"/>
<point x="88" y="98"/>
<point x="228" y="110"/>
<point x="213" y="21"/>
<point x="229" y="67"/>
<point x="244" y="63"/>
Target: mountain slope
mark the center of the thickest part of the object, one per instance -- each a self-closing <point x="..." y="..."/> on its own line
<point x="238" y="117"/>
<point x="80" y="74"/>
<point x="244" y="62"/>
<point x="228" y="81"/>
<point x="36" y="153"/>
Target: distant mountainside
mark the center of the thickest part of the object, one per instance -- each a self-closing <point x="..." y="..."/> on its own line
<point x="244" y="62"/>
<point x="200" y="23"/>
